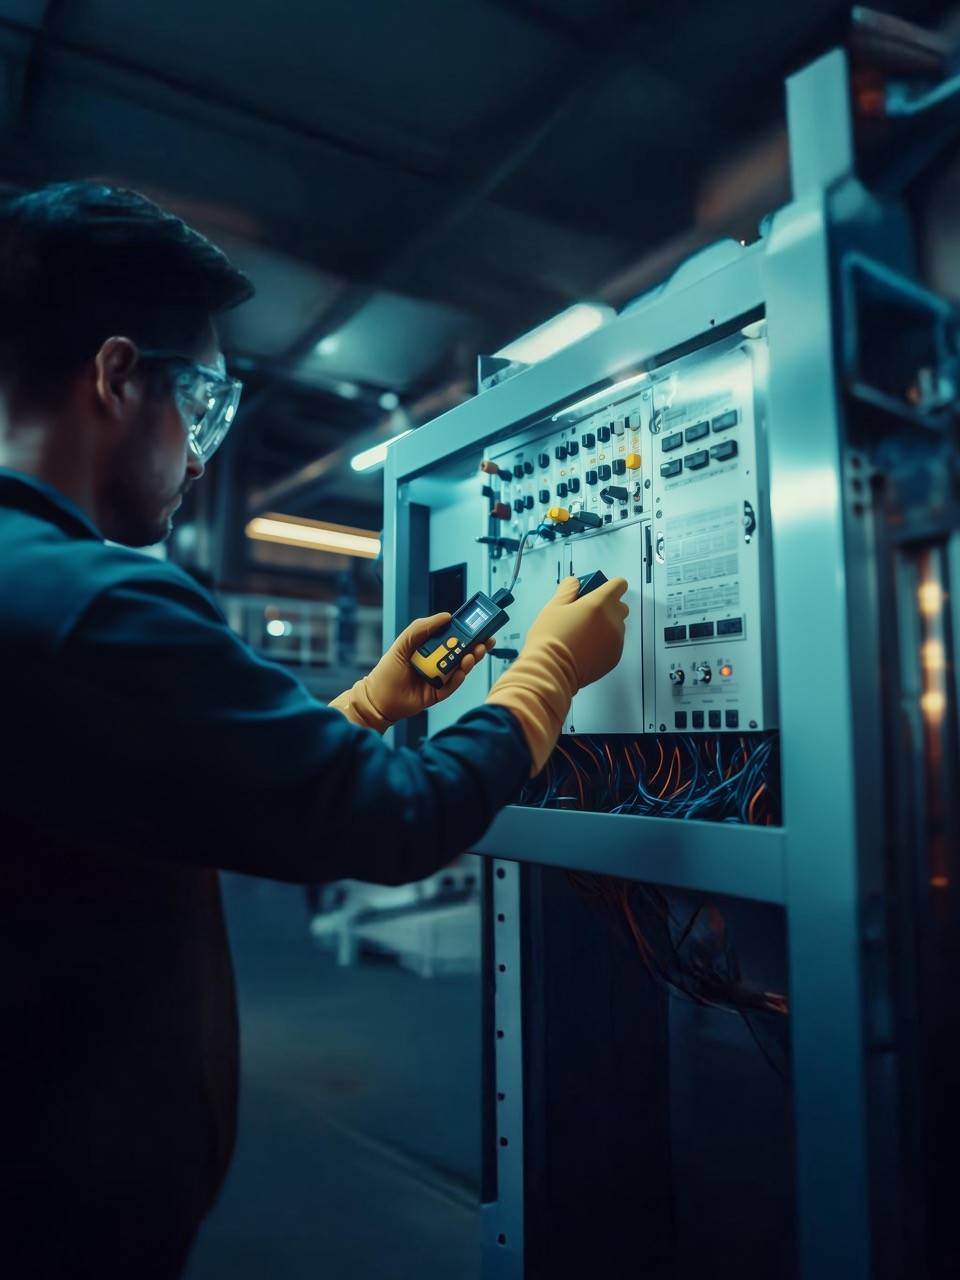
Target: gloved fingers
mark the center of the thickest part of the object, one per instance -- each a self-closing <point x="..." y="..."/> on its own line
<point x="567" y="590"/>
<point x="455" y="681"/>
<point x="414" y="635"/>
<point x="612" y="590"/>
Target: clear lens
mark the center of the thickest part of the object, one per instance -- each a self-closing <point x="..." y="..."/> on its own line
<point x="208" y="403"/>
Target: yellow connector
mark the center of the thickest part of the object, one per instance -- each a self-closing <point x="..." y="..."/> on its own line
<point x="633" y="461"/>
<point x="560" y="514"/>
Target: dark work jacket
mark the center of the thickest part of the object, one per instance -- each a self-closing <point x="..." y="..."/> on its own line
<point x="143" y="745"/>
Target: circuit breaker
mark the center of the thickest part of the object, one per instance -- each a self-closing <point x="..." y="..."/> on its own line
<point x="669" y="468"/>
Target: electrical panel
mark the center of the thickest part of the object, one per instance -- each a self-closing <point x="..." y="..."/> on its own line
<point x="667" y="470"/>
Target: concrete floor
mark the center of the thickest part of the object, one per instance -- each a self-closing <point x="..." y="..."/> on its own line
<point x="358" y="1153"/>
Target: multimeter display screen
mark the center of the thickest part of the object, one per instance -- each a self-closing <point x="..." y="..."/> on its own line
<point x="475" y="619"/>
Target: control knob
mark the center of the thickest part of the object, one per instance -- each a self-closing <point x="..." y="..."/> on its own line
<point x="703" y="673"/>
<point x="677" y="676"/>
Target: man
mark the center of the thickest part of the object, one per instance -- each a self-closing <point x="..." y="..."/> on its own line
<point x="143" y="745"/>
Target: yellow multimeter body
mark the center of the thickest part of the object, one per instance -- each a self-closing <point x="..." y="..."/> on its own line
<point x="440" y="655"/>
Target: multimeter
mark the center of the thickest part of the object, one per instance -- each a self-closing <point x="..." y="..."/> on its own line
<point x="438" y="658"/>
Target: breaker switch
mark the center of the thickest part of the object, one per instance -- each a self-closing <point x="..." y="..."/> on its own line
<point x="518" y="505"/>
<point x="603" y="434"/>
<point x="573" y="449"/>
<point x="573" y="485"/>
<point x="590" y="477"/>
<point x="544" y="495"/>
<point x="528" y="502"/>
<point x="589" y="519"/>
<point x="634" y="461"/>
<point x="561" y="490"/>
<point x="614" y="493"/>
<point x="543" y="460"/>
<point x="560" y="452"/>
<point x="619" y="466"/>
<point x="500" y="511"/>
<point x="588" y="440"/>
<point x="604" y="473"/>
<point x="528" y="468"/>
<point x="518" y="471"/>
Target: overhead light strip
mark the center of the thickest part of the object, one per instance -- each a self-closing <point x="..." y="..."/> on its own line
<point x="292" y="531"/>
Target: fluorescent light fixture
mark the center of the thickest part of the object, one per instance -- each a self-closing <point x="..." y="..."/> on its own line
<point x="553" y="335"/>
<point x="328" y="345"/>
<point x="376" y="455"/>
<point x="604" y="394"/>
<point x="293" y="531"/>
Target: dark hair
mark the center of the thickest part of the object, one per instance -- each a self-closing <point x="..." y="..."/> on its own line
<point x="81" y="262"/>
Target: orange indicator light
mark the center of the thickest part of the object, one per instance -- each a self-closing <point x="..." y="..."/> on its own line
<point x="726" y="670"/>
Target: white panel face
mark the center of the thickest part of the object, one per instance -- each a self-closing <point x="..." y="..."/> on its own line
<point x="709" y="524"/>
<point x="671" y="465"/>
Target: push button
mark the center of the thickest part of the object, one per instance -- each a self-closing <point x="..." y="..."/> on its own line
<point x="633" y="461"/>
<point x="443" y="664"/>
<point x="697" y="460"/>
<point x="733" y="719"/>
<point x="451" y="642"/>
<point x="697" y="431"/>
<point x="725" y="449"/>
<point x="680" y="720"/>
<point x="730" y="627"/>
<point x="726" y="420"/>
<point x="714" y="719"/>
<point x="672" y="442"/>
<point x="698" y="719"/>
<point x="672" y="468"/>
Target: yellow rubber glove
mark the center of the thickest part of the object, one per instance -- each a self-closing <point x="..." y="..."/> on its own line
<point x="393" y="690"/>
<point x="571" y="643"/>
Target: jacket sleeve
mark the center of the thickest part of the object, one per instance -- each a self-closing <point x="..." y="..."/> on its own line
<point x="191" y="747"/>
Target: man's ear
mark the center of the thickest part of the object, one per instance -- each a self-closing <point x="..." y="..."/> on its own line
<point x="114" y="365"/>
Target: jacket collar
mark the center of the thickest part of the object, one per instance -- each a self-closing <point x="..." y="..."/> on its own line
<point x="26" y="493"/>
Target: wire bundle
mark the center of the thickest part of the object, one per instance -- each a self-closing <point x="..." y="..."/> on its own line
<point x="719" y="778"/>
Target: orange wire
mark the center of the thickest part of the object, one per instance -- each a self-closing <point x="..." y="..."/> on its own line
<point x="666" y="785"/>
<point x="576" y="774"/>
<point x="633" y="772"/>
<point x="753" y="800"/>
<point x="659" y="762"/>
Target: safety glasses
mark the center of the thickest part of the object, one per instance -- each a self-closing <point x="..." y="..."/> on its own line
<point x="206" y="398"/>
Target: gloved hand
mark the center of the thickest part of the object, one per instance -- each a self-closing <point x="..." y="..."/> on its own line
<point x="571" y="643"/>
<point x="393" y="690"/>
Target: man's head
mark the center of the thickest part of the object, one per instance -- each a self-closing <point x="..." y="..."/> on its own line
<point x="107" y="342"/>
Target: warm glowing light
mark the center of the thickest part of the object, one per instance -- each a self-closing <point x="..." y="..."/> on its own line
<point x="933" y="704"/>
<point x="940" y="882"/>
<point x="376" y="455"/>
<point x="292" y="531"/>
<point x="726" y="670"/>
<point x="932" y="655"/>
<point x="559" y="332"/>
<point x="930" y="598"/>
